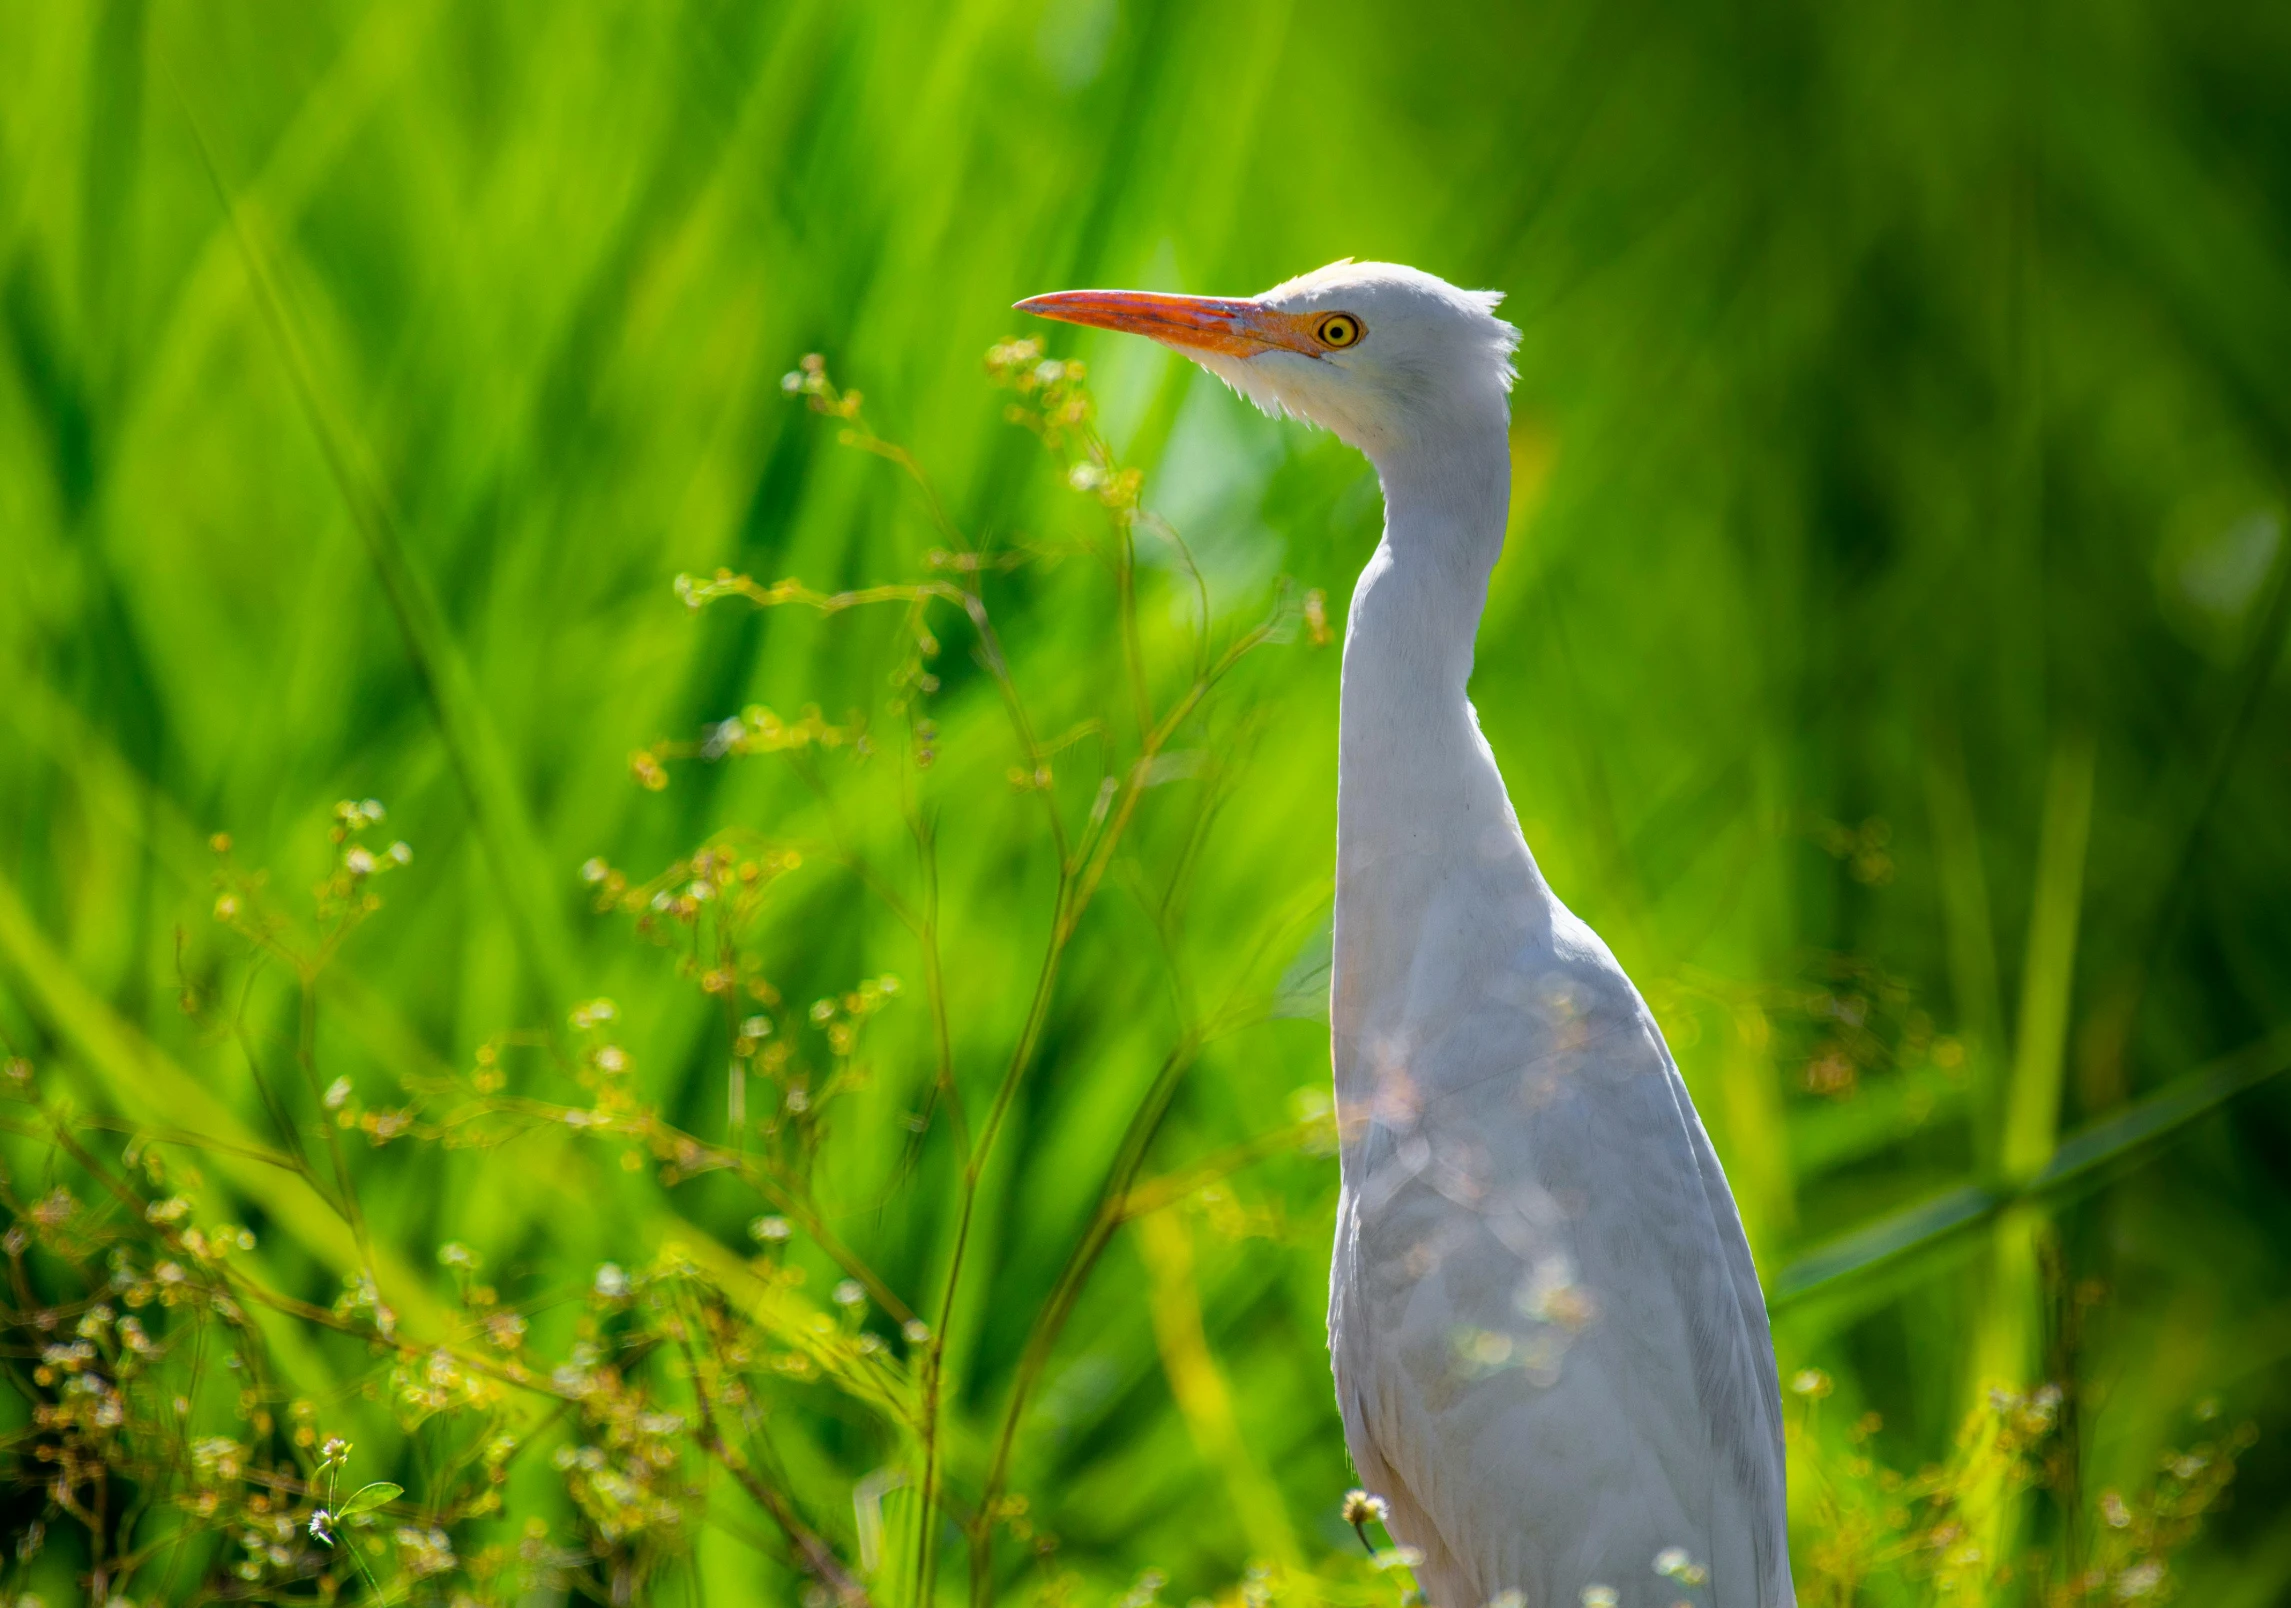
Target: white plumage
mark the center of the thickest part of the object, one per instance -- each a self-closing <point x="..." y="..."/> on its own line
<point x="1550" y="1348"/>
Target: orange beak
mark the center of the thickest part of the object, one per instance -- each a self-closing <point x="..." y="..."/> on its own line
<point x="1235" y="327"/>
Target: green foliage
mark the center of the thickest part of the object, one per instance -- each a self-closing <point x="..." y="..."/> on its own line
<point x="811" y="1086"/>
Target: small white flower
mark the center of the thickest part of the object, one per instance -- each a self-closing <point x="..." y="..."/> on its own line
<point x="590" y="1013"/>
<point x="2139" y="1581"/>
<point x="611" y="1282"/>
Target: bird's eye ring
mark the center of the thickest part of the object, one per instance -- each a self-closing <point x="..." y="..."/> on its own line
<point x="1339" y="330"/>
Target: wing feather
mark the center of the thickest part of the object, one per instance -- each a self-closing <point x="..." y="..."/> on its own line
<point x="1549" y="1343"/>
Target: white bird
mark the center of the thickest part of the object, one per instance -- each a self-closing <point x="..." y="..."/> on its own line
<point x="1551" y="1351"/>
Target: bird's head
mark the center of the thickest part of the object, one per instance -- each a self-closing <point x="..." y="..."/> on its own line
<point x="1387" y="357"/>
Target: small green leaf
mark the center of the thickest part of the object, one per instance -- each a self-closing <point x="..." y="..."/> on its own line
<point x="367" y="1498"/>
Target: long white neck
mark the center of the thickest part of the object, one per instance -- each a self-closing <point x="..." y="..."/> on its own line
<point x="1431" y="867"/>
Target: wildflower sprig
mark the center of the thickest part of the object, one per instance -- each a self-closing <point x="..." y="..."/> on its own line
<point x="1930" y="1527"/>
<point x="1360" y="1510"/>
<point x="1050" y="398"/>
<point x="327" y="1524"/>
<point x="1845" y="1025"/>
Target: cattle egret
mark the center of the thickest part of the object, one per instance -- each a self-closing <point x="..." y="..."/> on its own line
<point x="1551" y="1351"/>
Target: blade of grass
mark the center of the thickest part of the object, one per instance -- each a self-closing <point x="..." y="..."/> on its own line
<point x="1200" y="1388"/>
<point x="1757" y="1132"/>
<point x="2032" y="1103"/>
<point x="481" y="764"/>
<point x="329" y="115"/>
<point x="2006" y="1345"/>
<point x="1969" y="929"/>
<point x="2078" y="1160"/>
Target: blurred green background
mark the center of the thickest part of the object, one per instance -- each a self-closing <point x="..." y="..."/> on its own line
<point x="1887" y="656"/>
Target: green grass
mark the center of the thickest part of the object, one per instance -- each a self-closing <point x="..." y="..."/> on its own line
<point x="1887" y="658"/>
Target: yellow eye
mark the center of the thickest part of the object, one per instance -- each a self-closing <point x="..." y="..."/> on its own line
<point x="1339" y="330"/>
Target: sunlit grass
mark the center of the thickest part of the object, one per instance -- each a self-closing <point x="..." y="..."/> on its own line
<point x="170" y="1373"/>
<point x="676" y="1362"/>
